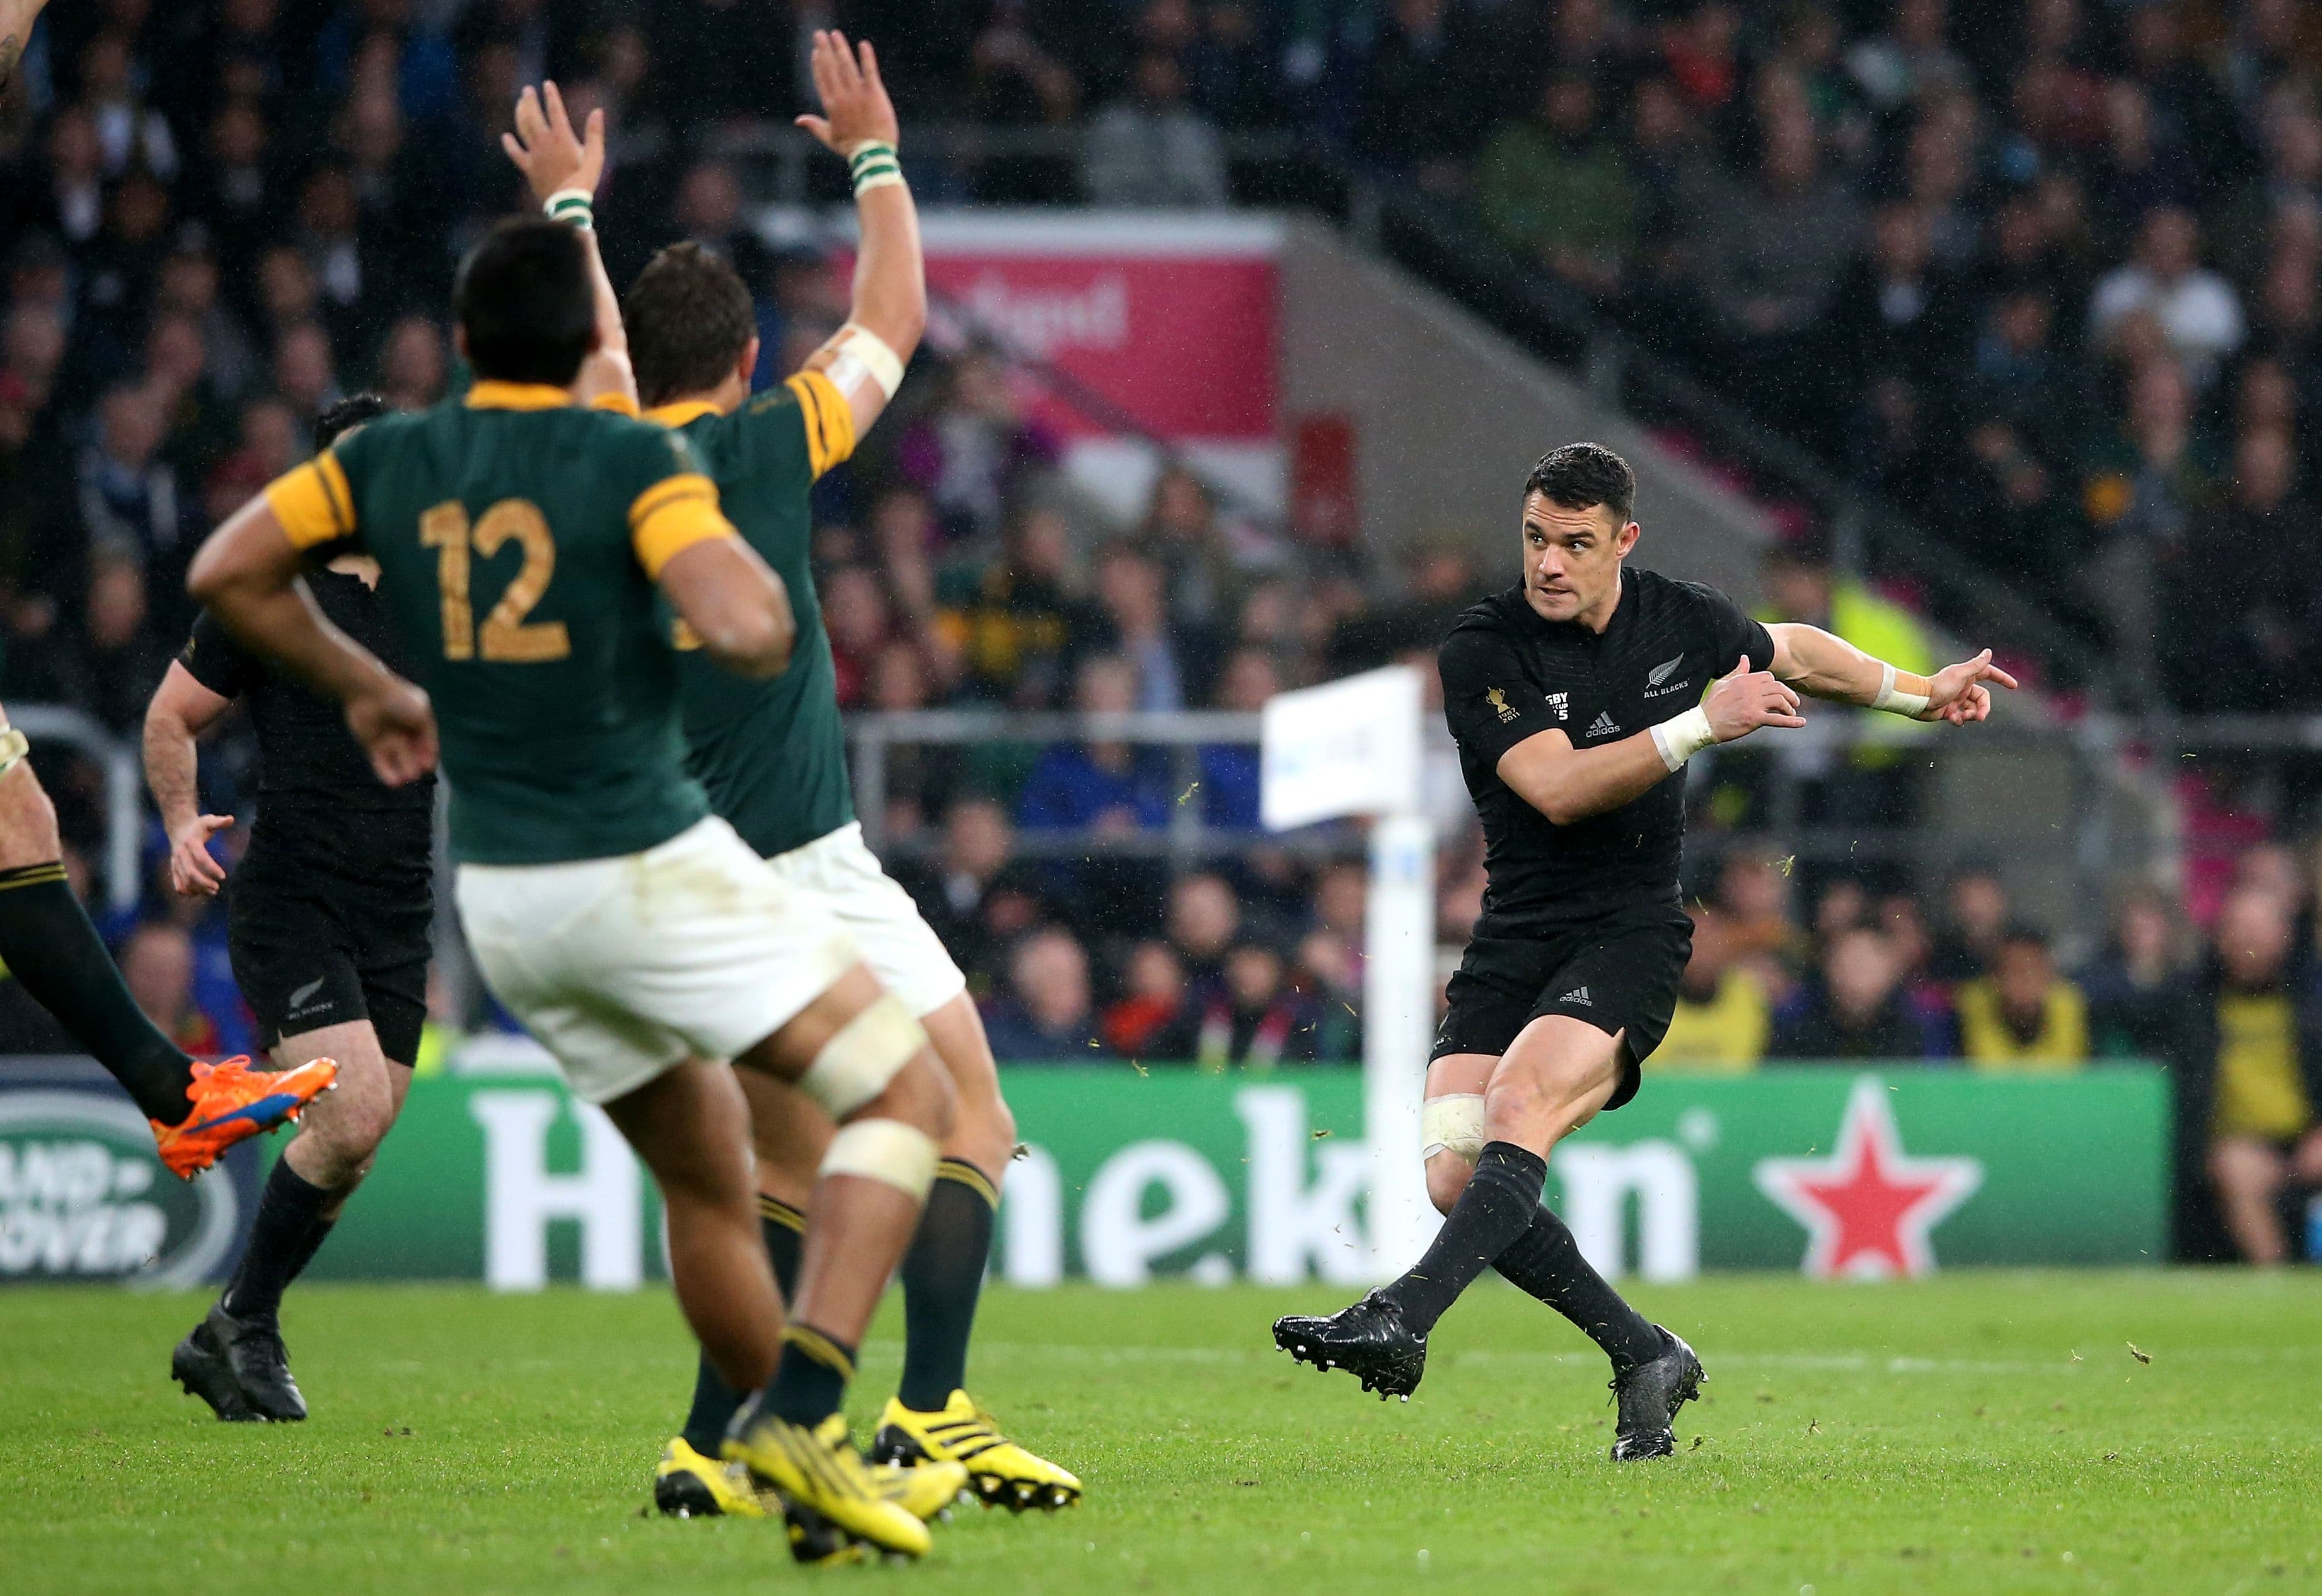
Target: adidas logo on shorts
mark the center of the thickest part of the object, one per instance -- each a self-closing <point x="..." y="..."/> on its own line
<point x="1578" y="995"/>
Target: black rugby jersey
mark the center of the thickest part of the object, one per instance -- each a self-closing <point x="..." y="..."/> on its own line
<point x="1508" y="675"/>
<point x="311" y="770"/>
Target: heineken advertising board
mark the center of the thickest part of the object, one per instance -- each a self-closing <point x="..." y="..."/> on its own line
<point x="1131" y="1175"/>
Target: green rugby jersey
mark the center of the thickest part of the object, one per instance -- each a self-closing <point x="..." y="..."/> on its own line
<point x="771" y="753"/>
<point x="518" y="537"/>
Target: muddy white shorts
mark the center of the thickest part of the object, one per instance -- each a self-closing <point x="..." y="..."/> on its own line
<point x="898" y="944"/>
<point x="623" y="967"/>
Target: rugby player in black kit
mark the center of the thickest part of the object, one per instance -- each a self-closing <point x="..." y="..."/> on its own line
<point x="328" y="926"/>
<point x="1574" y="696"/>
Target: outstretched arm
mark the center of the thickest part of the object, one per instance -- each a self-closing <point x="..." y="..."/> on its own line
<point x="247" y="575"/>
<point x="1824" y="666"/>
<point x="865" y="358"/>
<point x="1567" y="784"/>
<point x="16" y="20"/>
<point x="555" y="161"/>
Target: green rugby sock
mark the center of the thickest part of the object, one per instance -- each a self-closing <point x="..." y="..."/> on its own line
<point x="810" y="1377"/>
<point x="943" y="1276"/>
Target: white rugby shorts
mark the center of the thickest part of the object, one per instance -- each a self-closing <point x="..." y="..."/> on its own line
<point x="623" y="967"/>
<point x="898" y="945"/>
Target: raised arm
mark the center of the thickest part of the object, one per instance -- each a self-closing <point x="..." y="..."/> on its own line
<point x="1824" y="666"/>
<point x="16" y="20"/>
<point x="865" y="358"/>
<point x="181" y="710"/>
<point x="246" y="575"/>
<point x="1567" y="784"/>
<point x="565" y="169"/>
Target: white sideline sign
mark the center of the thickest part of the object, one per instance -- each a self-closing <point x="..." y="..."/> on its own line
<point x="1348" y="746"/>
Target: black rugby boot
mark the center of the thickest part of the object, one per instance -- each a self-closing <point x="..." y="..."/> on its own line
<point x="1369" y="1341"/>
<point x="1650" y="1395"/>
<point x="240" y="1368"/>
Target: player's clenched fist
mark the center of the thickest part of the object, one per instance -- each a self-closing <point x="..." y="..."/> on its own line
<point x="395" y="725"/>
<point x="1746" y="699"/>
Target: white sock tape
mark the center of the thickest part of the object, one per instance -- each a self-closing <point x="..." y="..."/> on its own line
<point x="1681" y="737"/>
<point x="1913" y="705"/>
<point x="1453" y="1122"/>
<point x="884" y="1149"/>
<point x="863" y="1056"/>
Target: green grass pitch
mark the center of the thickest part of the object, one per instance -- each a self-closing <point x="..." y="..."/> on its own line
<point x="1973" y="1433"/>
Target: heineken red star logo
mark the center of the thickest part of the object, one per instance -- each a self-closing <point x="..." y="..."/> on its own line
<point x="1868" y="1207"/>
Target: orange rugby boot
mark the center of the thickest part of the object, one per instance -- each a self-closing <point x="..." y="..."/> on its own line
<point x="230" y="1101"/>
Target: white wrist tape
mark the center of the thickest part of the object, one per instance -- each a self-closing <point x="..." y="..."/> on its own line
<point x="872" y="164"/>
<point x="1681" y="737"/>
<point x="872" y="357"/>
<point x="577" y="206"/>
<point x="863" y="1056"/>
<point x="1453" y="1122"/>
<point x="14" y="746"/>
<point x="884" y="1149"/>
<point x="1913" y="705"/>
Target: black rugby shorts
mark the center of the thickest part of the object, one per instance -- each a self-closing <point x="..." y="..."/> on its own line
<point x="312" y="947"/>
<point x="1619" y="975"/>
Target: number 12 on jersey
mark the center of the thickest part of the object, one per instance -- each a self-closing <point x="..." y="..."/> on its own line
<point x="506" y="636"/>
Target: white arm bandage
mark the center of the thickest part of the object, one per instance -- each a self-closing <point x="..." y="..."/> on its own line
<point x="1897" y="702"/>
<point x="1681" y="737"/>
<point x="863" y="355"/>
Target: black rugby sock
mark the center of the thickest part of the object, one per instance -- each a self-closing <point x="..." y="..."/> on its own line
<point x="281" y="1240"/>
<point x="715" y="1402"/>
<point x="316" y="1234"/>
<point x="1498" y="1205"/>
<point x="1546" y="1262"/>
<point x="810" y="1377"/>
<point x="943" y="1276"/>
<point x="50" y="948"/>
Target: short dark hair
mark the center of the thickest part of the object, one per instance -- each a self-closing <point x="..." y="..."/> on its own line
<point x="1581" y="476"/>
<point x="345" y="416"/>
<point x="689" y="318"/>
<point x="523" y="299"/>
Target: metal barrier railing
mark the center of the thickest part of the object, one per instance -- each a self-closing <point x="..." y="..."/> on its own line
<point x="2105" y="751"/>
<point x="1184" y="732"/>
<point x="1784" y="766"/>
<point x="124" y="801"/>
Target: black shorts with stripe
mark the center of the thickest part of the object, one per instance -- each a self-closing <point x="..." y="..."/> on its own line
<point x="1619" y="974"/>
<point x="314" y="946"/>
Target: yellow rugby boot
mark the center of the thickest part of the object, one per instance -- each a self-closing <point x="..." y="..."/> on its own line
<point x="688" y="1485"/>
<point x="923" y="1490"/>
<point x="1001" y="1472"/>
<point x="819" y="1469"/>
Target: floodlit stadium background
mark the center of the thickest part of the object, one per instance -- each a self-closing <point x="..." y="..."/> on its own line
<point x="2001" y="330"/>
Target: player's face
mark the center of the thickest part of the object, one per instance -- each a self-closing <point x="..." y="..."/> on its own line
<point x="1572" y="559"/>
